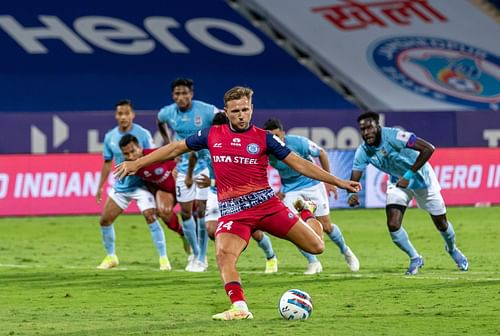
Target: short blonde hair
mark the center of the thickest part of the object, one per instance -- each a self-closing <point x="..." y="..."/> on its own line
<point x="238" y="92"/>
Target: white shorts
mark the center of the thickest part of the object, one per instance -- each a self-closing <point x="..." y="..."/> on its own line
<point x="144" y="199"/>
<point x="429" y="199"/>
<point x="316" y="193"/>
<point x="185" y="194"/>
<point x="212" y="213"/>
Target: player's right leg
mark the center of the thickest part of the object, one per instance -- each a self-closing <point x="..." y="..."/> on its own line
<point x="432" y="201"/>
<point x="114" y="206"/>
<point x="397" y="202"/>
<point x="277" y="219"/>
<point x="230" y="241"/>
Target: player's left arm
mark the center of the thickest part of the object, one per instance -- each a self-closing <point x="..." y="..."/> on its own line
<point x="311" y="170"/>
<point x="425" y="149"/>
<point x="276" y="147"/>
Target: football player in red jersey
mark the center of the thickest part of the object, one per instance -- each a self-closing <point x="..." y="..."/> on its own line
<point x="160" y="180"/>
<point x="239" y="155"/>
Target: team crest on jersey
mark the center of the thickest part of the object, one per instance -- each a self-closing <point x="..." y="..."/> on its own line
<point x="253" y="148"/>
<point x="440" y="69"/>
<point x="198" y="121"/>
<point x="159" y="171"/>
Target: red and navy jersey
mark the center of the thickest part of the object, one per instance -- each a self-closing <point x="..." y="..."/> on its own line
<point x="240" y="161"/>
<point x="160" y="174"/>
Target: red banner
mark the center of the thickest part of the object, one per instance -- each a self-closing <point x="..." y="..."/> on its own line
<point x="468" y="176"/>
<point x="64" y="184"/>
<point x="53" y="184"/>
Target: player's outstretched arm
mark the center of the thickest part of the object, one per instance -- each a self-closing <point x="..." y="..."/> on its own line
<point x="311" y="170"/>
<point x="167" y="152"/>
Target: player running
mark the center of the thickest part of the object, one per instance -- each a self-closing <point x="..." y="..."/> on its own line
<point x="405" y="158"/>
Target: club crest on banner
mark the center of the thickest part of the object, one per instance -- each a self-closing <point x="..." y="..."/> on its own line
<point x="440" y="69"/>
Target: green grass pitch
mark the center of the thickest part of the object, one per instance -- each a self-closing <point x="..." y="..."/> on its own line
<point x="49" y="284"/>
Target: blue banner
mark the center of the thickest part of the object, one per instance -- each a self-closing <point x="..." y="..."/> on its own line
<point x="60" y="56"/>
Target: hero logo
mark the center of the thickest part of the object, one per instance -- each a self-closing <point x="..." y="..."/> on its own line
<point x="440" y="69"/>
<point x="121" y="37"/>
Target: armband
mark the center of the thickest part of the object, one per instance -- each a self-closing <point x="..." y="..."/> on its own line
<point x="409" y="174"/>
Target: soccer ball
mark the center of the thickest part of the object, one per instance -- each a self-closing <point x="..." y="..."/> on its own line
<point x="295" y="304"/>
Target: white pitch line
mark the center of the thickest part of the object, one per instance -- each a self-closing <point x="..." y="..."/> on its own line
<point x="426" y="276"/>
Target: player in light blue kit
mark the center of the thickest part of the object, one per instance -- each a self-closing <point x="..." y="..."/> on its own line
<point x="127" y="189"/>
<point x="296" y="187"/>
<point x="185" y="117"/>
<point x="405" y="158"/>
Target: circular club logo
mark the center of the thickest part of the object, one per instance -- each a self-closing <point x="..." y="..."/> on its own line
<point x="253" y="148"/>
<point x="441" y="69"/>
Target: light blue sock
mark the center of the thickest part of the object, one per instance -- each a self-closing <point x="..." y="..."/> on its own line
<point x="311" y="258"/>
<point x="400" y="238"/>
<point x="266" y="246"/>
<point x="202" y="238"/>
<point x="108" y="238"/>
<point x="189" y="228"/>
<point x="337" y="237"/>
<point x="158" y="237"/>
<point x="449" y="237"/>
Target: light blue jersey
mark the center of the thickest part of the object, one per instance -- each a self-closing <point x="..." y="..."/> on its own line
<point x="291" y="179"/>
<point x="112" y="151"/>
<point x="187" y="123"/>
<point x="394" y="157"/>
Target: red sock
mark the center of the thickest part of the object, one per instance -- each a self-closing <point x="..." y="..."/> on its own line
<point x="234" y="291"/>
<point x="305" y="214"/>
<point x="174" y="224"/>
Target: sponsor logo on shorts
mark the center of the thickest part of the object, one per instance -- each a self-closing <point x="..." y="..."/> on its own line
<point x="440" y="69"/>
